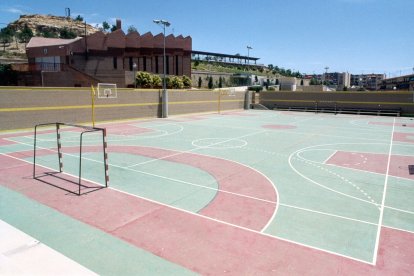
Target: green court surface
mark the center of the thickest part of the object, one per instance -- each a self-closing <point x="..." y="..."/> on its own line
<point x="337" y="181"/>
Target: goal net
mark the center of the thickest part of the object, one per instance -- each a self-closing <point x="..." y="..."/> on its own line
<point x="70" y="157"/>
<point x="107" y="90"/>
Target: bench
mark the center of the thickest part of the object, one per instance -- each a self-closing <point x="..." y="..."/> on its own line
<point x="343" y="110"/>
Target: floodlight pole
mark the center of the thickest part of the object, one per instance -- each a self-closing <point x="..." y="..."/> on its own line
<point x="248" y="53"/>
<point x="248" y="58"/>
<point x="164" y="24"/>
<point x="134" y="67"/>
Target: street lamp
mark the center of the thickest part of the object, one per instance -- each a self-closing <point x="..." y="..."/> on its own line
<point x="248" y="53"/>
<point x="134" y="67"/>
<point x="326" y="75"/>
<point x="164" y="24"/>
<point x="248" y="58"/>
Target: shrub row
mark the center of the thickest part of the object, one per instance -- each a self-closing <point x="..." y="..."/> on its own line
<point x="148" y="80"/>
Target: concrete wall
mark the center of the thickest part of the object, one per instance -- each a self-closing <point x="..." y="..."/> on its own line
<point x="205" y="76"/>
<point x="390" y="100"/>
<point x="26" y="107"/>
<point x="69" y="78"/>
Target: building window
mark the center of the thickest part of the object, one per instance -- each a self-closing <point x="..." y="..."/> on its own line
<point x="115" y="61"/>
<point x="131" y="64"/>
<point x="144" y="60"/>
<point x="167" y="61"/>
<point x="176" y="65"/>
<point x="156" y="65"/>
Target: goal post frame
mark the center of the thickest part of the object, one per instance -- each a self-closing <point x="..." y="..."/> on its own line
<point x="85" y="130"/>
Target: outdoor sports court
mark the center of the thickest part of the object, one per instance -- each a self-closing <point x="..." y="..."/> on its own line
<point x="240" y="193"/>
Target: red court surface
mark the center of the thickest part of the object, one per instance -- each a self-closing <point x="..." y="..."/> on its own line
<point x="235" y="232"/>
<point x="202" y="244"/>
<point x="404" y="137"/>
<point x="373" y="162"/>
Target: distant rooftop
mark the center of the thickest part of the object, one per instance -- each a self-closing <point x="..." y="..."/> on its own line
<point x="223" y="55"/>
<point x="224" y="58"/>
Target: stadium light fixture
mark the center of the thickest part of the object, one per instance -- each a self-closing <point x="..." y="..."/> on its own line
<point x="164" y="24"/>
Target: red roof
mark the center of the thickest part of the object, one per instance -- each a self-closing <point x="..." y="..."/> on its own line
<point x="42" y="41"/>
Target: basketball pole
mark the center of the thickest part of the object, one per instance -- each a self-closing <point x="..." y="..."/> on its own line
<point x="93" y="105"/>
<point x="219" y="101"/>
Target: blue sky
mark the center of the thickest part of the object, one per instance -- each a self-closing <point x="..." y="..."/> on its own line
<point x="357" y="36"/>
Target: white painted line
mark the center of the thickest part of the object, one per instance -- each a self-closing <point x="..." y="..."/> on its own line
<point x="196" y="148"/>
<point x="399" y="210"/>
<point x="384" y="193"/>
<point x="328" y="214"/>
<point x="313" y="163"/>
<point x="222" y="222"/>
<point x="293" y="132"/>
<point x="329" y="157"/>
<point x="368" y="172"/>
<point x="399" y="229"/>
<point x="317" y="183"/>
<point x="162" y="177"/>
<point x="244" y="228"/>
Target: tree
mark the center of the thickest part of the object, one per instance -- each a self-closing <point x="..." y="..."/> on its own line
<point x="200" y="82"/>
<point x="48" y="34"/>
<point x="220" y="84"/>
<point x="210" y="82"/>
<point x="105" y="26"/>
<point x="65" y="33"/>
<point x="7" y="75"/>
<point x="26" y="34"/>
<point x="113" y="28"/>
<point x="132" y="29"/>
<point x="6" y="36"/>
<point x="79" y="18"/>
<point x="186" y="82"/>
<point x="301" y="82"/>
<point x="270" y="66"/>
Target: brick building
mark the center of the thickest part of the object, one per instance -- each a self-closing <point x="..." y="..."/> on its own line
<point x="111" y="58"/>
<point x="367" y="81"/>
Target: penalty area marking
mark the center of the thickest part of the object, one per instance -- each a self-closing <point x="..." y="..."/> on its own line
<point x="317" y="183"/>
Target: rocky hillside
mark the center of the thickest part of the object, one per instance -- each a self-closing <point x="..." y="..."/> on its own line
<point x="42" y="25"/>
